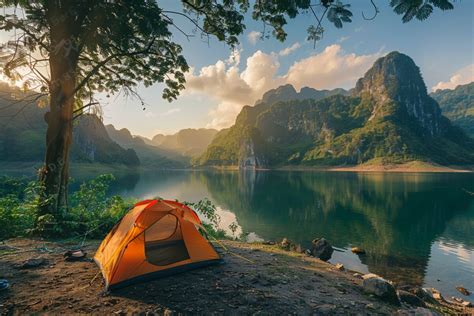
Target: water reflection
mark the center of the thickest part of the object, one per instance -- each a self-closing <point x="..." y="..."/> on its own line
<point x="402" y="220"/>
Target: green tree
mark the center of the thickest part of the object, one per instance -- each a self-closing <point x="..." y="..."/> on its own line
<point x="69" y="50"/>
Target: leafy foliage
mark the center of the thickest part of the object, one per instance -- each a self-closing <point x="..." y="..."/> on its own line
<point x="421" y="9"/>
<point x="92" y="212"/>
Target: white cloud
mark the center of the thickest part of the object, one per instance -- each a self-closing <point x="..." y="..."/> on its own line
<point x="170" y="112"/>
<point x="343" y="39"/>
<point x="232" y="89"/>
<point x="460" y="77"/>
<point x="332" y="68"/>
<point x="287" y="51"/>
<point x="253" y="37"/>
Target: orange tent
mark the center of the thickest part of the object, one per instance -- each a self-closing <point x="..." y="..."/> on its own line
<point x="155" y="238"/>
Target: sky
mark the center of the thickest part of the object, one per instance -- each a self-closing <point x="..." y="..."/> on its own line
<point x="222" y="81"/>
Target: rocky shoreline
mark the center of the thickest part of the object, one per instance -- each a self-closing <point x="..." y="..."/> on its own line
<point x="386" y="290"/>
<point x="256" y="279"/>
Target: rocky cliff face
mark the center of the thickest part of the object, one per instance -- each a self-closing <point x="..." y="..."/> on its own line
<point x="395" y="85"/>
<point x="388" y="117"/>
<point x="92" y="143"/>
<point x="458" y="105"/>
<point x="23" y="131"/>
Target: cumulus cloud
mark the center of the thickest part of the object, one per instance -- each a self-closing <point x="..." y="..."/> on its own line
<point x="331" y="68"/>
<point x="253" y="37"/>
<point x="460" y="77"/>
<point x="232" y="88"/>
<point x="287" y="51"/>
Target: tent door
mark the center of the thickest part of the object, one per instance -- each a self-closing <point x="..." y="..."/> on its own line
<point x="164" y="244"/>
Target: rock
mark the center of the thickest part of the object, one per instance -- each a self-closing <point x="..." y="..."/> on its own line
<point x="340" y="266"/>
<point x="426" y="295"/>
<point x="410" y="298"/>
<point x="463" y="290"/>
<point x="322" y="249"/>
<point x="33" y="263"/>
<point x="358" y="251"/>
<point x="357" y="275"/>
<point x="466" y="304"/>
<point x="380" y="287"/>
<point x="297" y="248"/>
<point x="437" y="296"/>
<point x="285" y="244"/>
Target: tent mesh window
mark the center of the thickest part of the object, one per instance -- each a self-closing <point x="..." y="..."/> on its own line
<point x="164" y="244"/>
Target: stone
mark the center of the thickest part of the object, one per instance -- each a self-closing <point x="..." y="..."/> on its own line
<point x="340" y="267"/>
<point x="466" y="304"/>
<point x="33" y="263"/>
<point x="358" y="250"/>
<point x="380" y="287"/>
<point x="463" y="290"/>
<point x="410" y="298"/>
<point x="321" y="249"/>
<point x="425" y="294"/>
<point x="285" y="244"/>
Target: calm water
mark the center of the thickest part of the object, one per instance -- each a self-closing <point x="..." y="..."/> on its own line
<point x="416" y="228"/>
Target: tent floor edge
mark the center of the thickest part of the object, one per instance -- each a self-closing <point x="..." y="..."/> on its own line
<point x="164" y="273"/>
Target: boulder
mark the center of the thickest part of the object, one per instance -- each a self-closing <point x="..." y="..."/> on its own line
<point x="410" y="298"/>
<point x="285" y="244"/>
<point x="380" y="287"/>
<point x="358" y="251"/>
<point x="463" y="290"/>
<point x="321" y="249"/>
<point x="33" y="263"/>
<point x="340" y="267"/>
<point x="426" y="295"/>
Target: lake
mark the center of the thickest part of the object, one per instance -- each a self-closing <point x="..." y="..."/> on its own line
<point x="417" y="228"/>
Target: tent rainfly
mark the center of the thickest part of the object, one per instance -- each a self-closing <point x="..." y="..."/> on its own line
<point x="155" y="238"/>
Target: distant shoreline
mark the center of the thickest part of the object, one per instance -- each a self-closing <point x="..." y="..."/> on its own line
<point x="411" y="167"/>
<point x="30" y="168"/>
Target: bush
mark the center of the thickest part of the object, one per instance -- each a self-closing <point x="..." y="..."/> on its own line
<point x="18" y="204"/>
<point x="91" y="212"/>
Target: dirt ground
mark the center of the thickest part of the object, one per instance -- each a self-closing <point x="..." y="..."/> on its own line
<point x="275" y="282"/>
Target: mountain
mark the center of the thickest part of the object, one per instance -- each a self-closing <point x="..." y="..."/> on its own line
<point x="458" y="105"/>
<point x="288" y="93"/>
<point x="187" y="142"/>
<point x="23" y="130"/>
<point x="387" y="117"/>
<point x="149" y="155"/>
<point x="91" y="143"/>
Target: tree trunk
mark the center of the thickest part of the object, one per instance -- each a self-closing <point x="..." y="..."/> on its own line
<point x="54" y="174"/>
